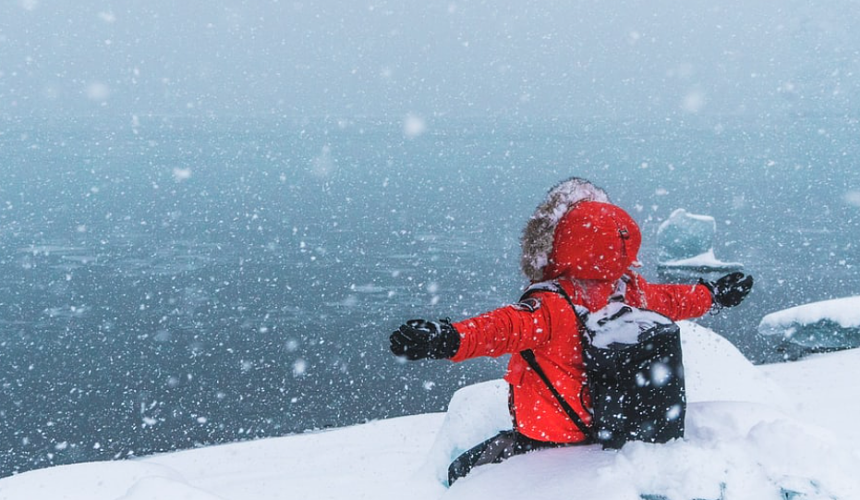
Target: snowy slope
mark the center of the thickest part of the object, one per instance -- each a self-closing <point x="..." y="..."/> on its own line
<point x="826" y="391"/>
<point x="753" y="433"/>
<point x="374" y="460"/>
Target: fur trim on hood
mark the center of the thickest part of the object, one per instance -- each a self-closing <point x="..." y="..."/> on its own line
<point x="538" y="234"/>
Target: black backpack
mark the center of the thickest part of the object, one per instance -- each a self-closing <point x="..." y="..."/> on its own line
<point x="634" y="372"/>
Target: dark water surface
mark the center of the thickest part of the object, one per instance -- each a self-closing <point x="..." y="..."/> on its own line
<point x="177" y="283"/>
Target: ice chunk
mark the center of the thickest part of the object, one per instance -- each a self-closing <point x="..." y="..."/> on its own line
<point x="686" y="243"/>
<point x="684" y="235"/>
<point x="818" y="326"/>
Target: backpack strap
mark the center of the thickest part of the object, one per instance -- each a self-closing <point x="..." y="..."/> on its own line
<point x="620" y="290"/>
<point x="555" y="287"/>
<point x="529" y="356"/>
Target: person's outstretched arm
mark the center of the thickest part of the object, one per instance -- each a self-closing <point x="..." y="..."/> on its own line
<point x="506" y="330"/>
<point x="691" y="301"/>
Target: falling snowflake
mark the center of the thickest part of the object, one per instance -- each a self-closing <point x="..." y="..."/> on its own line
<point x="299" y="367"/>
<point x="413" y="126"/>
<point x="181" y="174"/>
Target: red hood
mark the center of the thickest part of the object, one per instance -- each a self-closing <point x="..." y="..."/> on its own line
<point x="593" y="241"/>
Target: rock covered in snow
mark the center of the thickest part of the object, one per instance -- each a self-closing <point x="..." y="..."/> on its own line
<point x="475" y="413"/>
<point x="818" y="326"/>
<point x="732" y="450"/>
<point x="743" y="441"/>
<point x="715" y="370"/>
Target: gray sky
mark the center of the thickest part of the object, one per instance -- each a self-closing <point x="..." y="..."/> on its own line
<point x="515" y="58"/>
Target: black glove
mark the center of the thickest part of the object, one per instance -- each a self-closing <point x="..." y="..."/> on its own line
<point x="420" y="339"/>
<point x="730" y="290"/>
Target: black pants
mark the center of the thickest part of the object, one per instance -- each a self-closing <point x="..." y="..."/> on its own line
<point x="500" y="447"/>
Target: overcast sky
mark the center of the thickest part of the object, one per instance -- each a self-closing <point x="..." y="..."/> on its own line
<point x="515" y="58"/>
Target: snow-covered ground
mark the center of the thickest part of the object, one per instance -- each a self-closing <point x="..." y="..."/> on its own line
<point x="782" y="431"/>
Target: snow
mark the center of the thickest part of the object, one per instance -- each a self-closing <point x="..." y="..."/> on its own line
<point x="625" y="329"/>
<point x="826" y="389"/>
<point x="375" y="460"/>
<point x="844" y="311"/>
<point x="704" y="260"/>
<point x="766" y="432"/>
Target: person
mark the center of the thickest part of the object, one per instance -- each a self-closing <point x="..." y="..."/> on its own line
<point x="582" y="242"/>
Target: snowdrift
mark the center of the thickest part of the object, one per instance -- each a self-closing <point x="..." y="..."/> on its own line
<point x="772" y="432"/>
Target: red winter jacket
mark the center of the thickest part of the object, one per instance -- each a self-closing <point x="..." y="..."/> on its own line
<point x="595" y="244"/>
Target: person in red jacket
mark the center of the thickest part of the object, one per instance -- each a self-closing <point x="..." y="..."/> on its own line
<point x="577" y="240"/>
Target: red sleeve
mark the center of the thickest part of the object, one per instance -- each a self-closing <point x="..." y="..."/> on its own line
<point x="507" y="330"/>
<point x="675" y="301"/>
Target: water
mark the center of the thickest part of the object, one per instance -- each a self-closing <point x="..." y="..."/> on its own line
<point x="174" y="283"/>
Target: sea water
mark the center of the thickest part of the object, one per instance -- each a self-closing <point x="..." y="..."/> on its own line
<point x="170" y="283"/>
